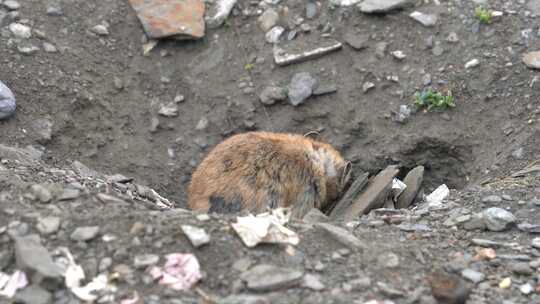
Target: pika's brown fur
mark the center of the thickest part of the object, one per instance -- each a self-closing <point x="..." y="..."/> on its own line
<point x="259" y="170"/>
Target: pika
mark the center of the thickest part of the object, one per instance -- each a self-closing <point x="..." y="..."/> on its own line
<point x="257" y="171"/>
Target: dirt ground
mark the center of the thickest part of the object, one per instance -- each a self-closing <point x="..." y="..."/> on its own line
<point x="101" y="98"/>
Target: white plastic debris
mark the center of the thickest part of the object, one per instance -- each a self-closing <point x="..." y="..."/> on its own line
<point x="74" y="274"/>
<point x="436" y="197"/>
<point x="224" y="8"/>
<point x="397" y="188"/>
<point x="265" y="228"/>
<point x="180" y="272"/>
<point x="9" y="284"/>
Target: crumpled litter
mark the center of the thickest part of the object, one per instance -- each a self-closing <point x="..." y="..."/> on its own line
<point x="74" y="274"/>
<point x="9" y="284"/>
<point x="436" y="197"/>
<point x="180" y="272"/>
<point x="397" y="188"/>
<point x="265" y="228"/>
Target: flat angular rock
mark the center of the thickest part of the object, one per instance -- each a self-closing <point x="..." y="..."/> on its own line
<point x="356" y="41"/>
<point x="197" y="236"/>
<point x="448" y="288"/>
<point x="48" y="225"/>
<point x="301" y="87"/>
<point x="315" y="216"/>
<point x="413" y="180"/>
<point x="269" y="278"/>
<point x="84" y="233"/>
<point x="427" y="20"/>
<point x="181" y="19"/>
<point x="473" y="275"/>
<point x="382" y="6"/>
<point x="342" y="236"/>
<point x="374" y="196"/>
<point x="350" y="196"/>
<point x="36" y="261"/>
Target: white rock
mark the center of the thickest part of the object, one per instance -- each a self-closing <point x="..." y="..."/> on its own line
<point x="436" y="197"/>
<point x="472" y="63"/>
<point x="526" y="288"/>
<point x="273" y="35"/>
<point x="20" y="31"/>
<point x="536" y="243"/>
<point x="424" y="19"/>
<point x="101" y="30"/>
<point x="399" y="55"/>
<point x="197" y="236"/>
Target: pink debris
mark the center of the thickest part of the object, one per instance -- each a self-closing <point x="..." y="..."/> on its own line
<point x="180" y="272"/>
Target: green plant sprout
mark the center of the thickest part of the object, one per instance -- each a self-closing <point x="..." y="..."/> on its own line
<point x="483" y="15"/>
<point x="433" y="99"/>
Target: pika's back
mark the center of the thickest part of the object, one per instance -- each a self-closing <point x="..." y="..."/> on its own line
<point x="259" y="170"/>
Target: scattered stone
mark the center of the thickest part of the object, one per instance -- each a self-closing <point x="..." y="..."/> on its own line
<point x="452" y="37"/>
<point x="109" y="199"/>
<point x="526" y="289"/>
<point x="197" y="236"/>
<point x="36" y="261"/>
<point x="498" y="219"/>
<point x="413" y="180"/>
<point x="145" y="260"/>
<point x="49" y="47"/>
<point x="54" y="11"/>
<point x="20" y="31"/>
<point x="382" y="6"/>
<point x="536" y="243"/>
<point x="367" y="86"/>
<point x="269" y="278"/>
<point x="268" y="19"/>
<point x="33" y="294"/>
<point x="530" y="228"/>
<point x="27" y="49"/>
<point x="357" y="42"/>
<point x="312" y="282"/>
<point x="521" y="268"/>
<point x="273" y="35"/>
<point x="12" y="5"/>
<point x="342" y="236"/>
<point x="324" y="89"/>
<point x="399" y="55"/>
<point x="380" y="49"/>
<point x="519" y="153"/>
<point x="427" y="20"/>
<point x="388" y="260"/>
<point x="48" y="225"/>
<point x="532" y="60"/>
<point x="473" y="275"/>
<point x="359" y="284"/>
<point x="472" y="63"/>
<point x="413" y="227"/>
<point x="388" y="290"/>
<point x="241" y="299"/>
<point x="176" y="19"/>
<point x="437" y="50"/>
<point x="311" y="9"/>
<point x="476" y="222"/>
<point x="41" y="193"/>
<point x="84" y="234"/>
<point x="505" y="283"/>
<point x="100" y="29"/>
<point x="448" y="288"/>
<point x="43" y="129"/>
<point x="492" y="199"/>
<point x="486" y="243"/>
<point x="301" y="87"/>
<point x="169" y="110"/>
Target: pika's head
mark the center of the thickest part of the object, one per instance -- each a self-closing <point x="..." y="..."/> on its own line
<point x="338" y="171"/>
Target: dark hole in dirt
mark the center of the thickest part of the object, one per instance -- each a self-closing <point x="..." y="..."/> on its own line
<point x="444" y="163"/>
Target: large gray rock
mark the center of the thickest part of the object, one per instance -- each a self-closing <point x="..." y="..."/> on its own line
<point x="7" y="102"/>
<point x="301" y="87"/>
<point x="36" y="261"/>
<point x="498" y="219"/>
<point x="382" y="6"/>
<point x="268" y="278"/>
<point x="33" y="295"/>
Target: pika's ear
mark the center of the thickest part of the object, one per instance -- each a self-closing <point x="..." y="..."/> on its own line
<point x="313" y="135"/>
<point x="345" y="174"/>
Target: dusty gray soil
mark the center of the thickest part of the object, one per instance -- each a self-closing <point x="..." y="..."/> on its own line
<point x="103" y="96"/>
